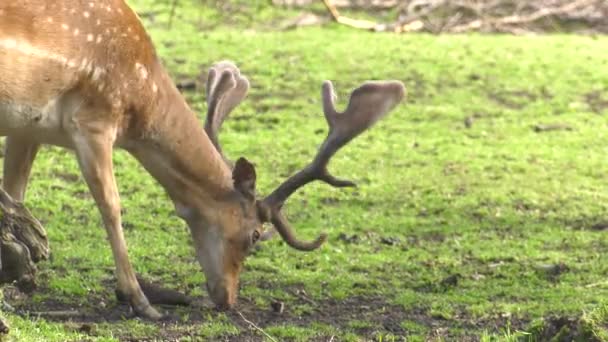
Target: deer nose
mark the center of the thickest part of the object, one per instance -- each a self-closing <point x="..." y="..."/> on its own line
<point x="221" y="296"/>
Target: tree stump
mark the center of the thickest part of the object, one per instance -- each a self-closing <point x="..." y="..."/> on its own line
<point x="23" y="242"/>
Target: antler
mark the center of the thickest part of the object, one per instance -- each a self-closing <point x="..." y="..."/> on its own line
<point x="368" y="104"/>
<point x="226" y="88"/>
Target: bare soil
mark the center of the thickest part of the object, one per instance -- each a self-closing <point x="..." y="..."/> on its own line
<point x="382" y="317"/>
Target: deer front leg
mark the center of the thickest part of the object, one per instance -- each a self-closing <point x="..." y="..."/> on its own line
<point x="19" y="154"/>
<point x="94" y="152"/>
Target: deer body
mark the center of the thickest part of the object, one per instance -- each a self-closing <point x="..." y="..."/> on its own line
<point x="85" y="75"/>
<point x="87" y="78"/>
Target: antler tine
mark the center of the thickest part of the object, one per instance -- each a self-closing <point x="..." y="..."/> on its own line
<point x="226" y="88"/>
<point x="368" y="104"/>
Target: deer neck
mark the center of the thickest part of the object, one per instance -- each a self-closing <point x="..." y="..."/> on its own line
<point x="176" y="151"/>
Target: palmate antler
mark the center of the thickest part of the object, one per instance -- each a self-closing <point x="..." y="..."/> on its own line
<point x="226" y="88"/>
<point x="368" y="104"/>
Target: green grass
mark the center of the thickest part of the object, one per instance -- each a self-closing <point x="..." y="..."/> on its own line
<point x="493" y="205"/>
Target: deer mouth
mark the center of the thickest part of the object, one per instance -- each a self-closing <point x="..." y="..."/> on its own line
<point x="221" y="297"/>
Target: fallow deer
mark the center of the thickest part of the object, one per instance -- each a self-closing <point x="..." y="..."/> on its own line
<point x="85" y="75"/>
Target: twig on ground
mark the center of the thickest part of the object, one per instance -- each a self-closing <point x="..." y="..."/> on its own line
<point x="58" y="314"/>
<point x="253" y="325"/>
<point x="552" y="127"/>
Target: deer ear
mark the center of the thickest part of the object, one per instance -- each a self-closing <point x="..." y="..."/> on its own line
<point x="243" y="176"/>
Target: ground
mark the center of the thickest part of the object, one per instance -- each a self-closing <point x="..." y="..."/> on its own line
<point x="481" y="211"/>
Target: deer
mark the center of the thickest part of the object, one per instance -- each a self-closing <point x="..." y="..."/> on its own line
<point x="84" y="75"/>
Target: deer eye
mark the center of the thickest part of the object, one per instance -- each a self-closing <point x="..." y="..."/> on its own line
<point x="255" y="237"/>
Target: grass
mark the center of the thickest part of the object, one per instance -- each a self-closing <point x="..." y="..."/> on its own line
<point x="454" y="233"/>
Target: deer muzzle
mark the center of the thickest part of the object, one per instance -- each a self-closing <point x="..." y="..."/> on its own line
<point x="222" y="296"/>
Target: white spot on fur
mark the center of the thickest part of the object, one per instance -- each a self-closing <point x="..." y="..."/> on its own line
<point x="120" y="11"/>
<point x="86" y="14"/>
<point x="136" y="37"/>
<point x="109" y="9"/>
<point x="101" y="86"/>
<point x="65" y="26"/>
<point x="98" y="39"/>
<point x="98" y="22"/>
<point x="83" y="64"/>
<point x="76" y="32"/>
<point x="9" y="43"/>
<point x="129" y="29"/>
<point x="91" y="4"/>
<point x="141" y="70"/>
<point x="49" y="20"/>
<point x="89" y="37"/>
<point x="97" y="72"/>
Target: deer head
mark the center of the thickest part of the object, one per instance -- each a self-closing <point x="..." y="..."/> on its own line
<point x="238" y="226"/>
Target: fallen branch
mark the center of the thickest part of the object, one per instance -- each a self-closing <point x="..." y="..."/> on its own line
<point x="461" y="16"/>
<point x="356" y="23"/>
<point x="552" y="127"/>
<point x="58" y="314"/>
<point x="522" y="19"/>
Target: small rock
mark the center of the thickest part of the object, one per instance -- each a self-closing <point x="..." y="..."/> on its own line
<point x="348" y="238"/>
<point x="552" y="271"/>
<point x="390" y="241"/>
<point x="277" y="307"/>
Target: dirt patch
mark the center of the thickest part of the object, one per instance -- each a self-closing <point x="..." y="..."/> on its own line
<point x="380" y="316"/>
<point x="563" y="328"/>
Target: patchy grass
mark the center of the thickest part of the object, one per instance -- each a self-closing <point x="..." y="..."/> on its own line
<point x="467" y="223"/>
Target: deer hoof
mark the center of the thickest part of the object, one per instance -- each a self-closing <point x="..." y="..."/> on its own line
<point x="147" y="312"/>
